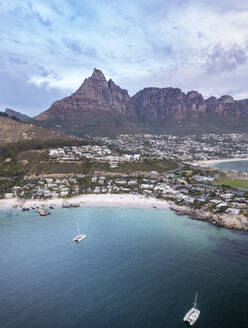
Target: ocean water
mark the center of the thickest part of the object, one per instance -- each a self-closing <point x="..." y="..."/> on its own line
<point x="136" y="268"/>
<point x="239" y="166"/>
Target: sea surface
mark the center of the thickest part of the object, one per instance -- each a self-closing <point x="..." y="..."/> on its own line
<point x="136" y="268"/>
<point x="239" y="166"/>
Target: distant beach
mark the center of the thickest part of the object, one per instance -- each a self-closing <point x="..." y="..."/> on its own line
<point x="89" y="200"/>
<point x="217" y="161"/>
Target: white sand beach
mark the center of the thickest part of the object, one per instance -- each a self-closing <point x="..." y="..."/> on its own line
<point x="90" y="200"/>
<point x="216" y="161"/>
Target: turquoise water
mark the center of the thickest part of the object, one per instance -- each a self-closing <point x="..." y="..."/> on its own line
<point x="240" y="166"/>
<point x="136" y="268"/>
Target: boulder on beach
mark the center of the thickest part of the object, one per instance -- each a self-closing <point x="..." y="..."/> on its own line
<point x="75" y="205"/>
<point x="66" y="205"/>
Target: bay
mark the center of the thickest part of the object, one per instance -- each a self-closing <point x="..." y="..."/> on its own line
<point x="136" y="268"/>
<point x="239" y="166"/>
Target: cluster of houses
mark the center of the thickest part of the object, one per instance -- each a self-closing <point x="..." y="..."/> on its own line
<point x="95" y="152"/>
<point x="44" y="188"/>
<point x="191" y="147"/>
<point x="194" y="191"/>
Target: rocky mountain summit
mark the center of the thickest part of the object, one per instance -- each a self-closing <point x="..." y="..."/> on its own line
<point x="94" y="94"/>
<point x="97" y="107"/>
<point x="100" y="107"/>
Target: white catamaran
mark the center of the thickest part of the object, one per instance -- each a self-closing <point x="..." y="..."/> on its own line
<point x="193" y="314"/>
<point x="80" y="236"/>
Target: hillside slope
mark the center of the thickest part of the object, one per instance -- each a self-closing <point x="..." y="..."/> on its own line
<point x="12" y="131"/>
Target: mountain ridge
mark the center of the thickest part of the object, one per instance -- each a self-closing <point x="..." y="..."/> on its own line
<point x="18" y="115"/>
<point x="100" y="107"/>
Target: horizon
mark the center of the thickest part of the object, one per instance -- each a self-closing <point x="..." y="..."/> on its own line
<point x="48" y="48"/>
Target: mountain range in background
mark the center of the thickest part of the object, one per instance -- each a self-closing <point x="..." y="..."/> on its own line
<point x="13" y="113"/>
<point x="101" y="108"/>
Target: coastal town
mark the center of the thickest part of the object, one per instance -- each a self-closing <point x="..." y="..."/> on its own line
<point x="186" y="148"/>
<point x="188" y="188"/>
<point x="98" y="153"/>
<point x="185" y="188"/>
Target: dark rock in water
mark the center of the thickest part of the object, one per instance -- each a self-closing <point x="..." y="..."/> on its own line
<point x="25" y="208"/>
<point x="43" y="212"/>
<point x="75" y="205"/>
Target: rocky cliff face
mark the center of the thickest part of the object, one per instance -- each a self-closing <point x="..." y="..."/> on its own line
<point x="160" y="103"/>
<point x="95" y="94"/>
<point x="155" y="103"/>
<point x="100" y="107"/>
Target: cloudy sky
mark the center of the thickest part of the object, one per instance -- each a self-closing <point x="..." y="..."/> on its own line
<point x="48" y="47"/>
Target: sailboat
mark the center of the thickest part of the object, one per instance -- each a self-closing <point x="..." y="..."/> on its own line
<point x="193" y="314"/>
<point x="80" y="236"/>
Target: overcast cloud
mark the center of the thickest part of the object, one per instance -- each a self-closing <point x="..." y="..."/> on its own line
<point x="48" y="47"/>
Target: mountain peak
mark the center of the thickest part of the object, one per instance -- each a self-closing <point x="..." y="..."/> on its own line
<point x="98" y="75"/>
<point x="97" y="81"/>
<point x="226" y="99"/>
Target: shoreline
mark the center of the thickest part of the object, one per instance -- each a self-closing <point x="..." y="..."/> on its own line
<point x="233" y="222"/>
<point x="238" y="222"/>
<point x="217" y="161"/>
<point x="88" y="200"/>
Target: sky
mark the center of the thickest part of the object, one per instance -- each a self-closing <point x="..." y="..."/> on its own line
<point x="48" y="47"/>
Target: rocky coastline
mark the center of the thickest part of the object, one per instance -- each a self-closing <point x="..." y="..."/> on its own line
<point x="237" y="222"/>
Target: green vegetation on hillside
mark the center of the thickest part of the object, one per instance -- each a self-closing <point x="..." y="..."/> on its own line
<point x="231" y="183"/>
<point x="37" y="163"/>
<point x="13" y="149"/>
<point x="146" y="166"/>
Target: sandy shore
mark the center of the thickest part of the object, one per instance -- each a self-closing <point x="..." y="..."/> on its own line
<point x="216" y="161"/>
<point x="90" y="200"/>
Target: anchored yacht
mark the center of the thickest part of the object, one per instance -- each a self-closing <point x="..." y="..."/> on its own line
<point x="193" y="314"/>
<point x="80" y="236"/>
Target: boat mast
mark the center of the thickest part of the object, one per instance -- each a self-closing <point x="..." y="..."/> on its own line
<point x="78" y="228"/>
<point x="195" y="300"/>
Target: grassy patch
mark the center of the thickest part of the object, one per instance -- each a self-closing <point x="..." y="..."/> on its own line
<point x="187" y="173"/>
<point x="231" y="183"/>
<point x="33" y="155"/>
<point x="146" y="166"/>
<point x="37" y="163"/>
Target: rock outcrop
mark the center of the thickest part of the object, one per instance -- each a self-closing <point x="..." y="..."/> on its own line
<point x="237" y="222"/>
